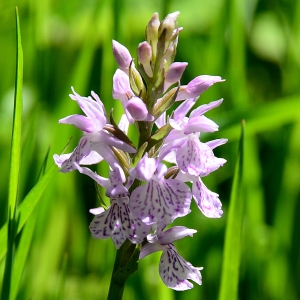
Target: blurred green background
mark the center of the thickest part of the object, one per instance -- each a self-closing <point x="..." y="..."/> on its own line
<point x="254" y="45"/>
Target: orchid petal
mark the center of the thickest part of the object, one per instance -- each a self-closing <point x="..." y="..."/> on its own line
<point x="145" y="169"/>
<point x="161" y="120"/>
<point x="199" y="111"/>
<point x="150" y="248"/>
<point x="200" y="123"/>
<point x="161" y="171"/>
<point x="181" y="111"/>
<point x="178" y="124"/>
<point x="118" y="223"/>
<point x="121" y="86"/>
<point x="109" y="140"/>
<point x="97" y="211"/>
<point x="175" y="271"/>
<point x="201" y="83"/>
<point x="99" y="179"/>
<point x="175" y="72"/>
<point x="197" y="158"/>
<point x="216" y="143"/>
<point x="175" y="233"/>
<point x="59" y="159"/>
<point x="93" y="109"/>
<point x="106" y="152"/>
<point x="81" y="122"/>
<point x="190" y="157"/>
<point x="207" y="201"/>
<point x="124" y="124"/>
<point x="91" y="159"/>
<point x="167" y="148"/>
<point x="160" y="201"/>
<point x="108" y="224"/>
<point x="83" y="149"/>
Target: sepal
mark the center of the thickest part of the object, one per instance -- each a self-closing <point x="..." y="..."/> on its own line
<point x="136" y="82"/>
<point x="165" y="102"/>
<point x="159" y="136"/>
<point x="118" y="133"/>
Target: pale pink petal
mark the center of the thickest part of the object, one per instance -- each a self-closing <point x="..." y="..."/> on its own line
<point x="197" y="158"/>
<point x="175" y="271"/>
<point x="199" y="111"/>
<point x="97" y="211"/>
<point x="182" y="110"/>
<point x="161" y="201"/>
<point x="200" y="124"/>
<point x="207" y="201"/>
<point x="83" y="149"/>
<point x="118" y="223"/>
<point x="150" y="248"/>
<point x="81" y="122"/>
<point x="145" y="169"/>
<point x="175" y="233"/>
<point x="216" y="143"/>
<point x="197" y="86"/>
<point x="59" y="159"/>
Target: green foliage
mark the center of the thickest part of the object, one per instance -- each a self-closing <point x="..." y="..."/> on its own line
<point x="233" y="245"/>
<point x="15" y="156"/>
<point x="253" y="45"/>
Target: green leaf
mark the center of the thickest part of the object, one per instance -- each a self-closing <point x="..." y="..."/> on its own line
<point x="22" y="250"/>
<point x="165" y="102"/>
<point x="32" y="198"/>
<point x="232" y="245"/>
<point x="15" y="160"/>
<point x="138" y="156"/>
<point x="159" y="136"/>
<point x="21" y="254"/>
<point x="27" y="206"/>
<point x="17" y="121"/>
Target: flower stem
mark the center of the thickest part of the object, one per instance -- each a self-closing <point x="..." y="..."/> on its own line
<point x="125" y="265"/>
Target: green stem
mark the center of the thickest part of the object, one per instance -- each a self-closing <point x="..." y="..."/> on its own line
<point x="125" y="265"/>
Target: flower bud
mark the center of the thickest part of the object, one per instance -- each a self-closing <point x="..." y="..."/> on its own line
<point x="174" y="73"/>
<point x="122" y="56"/>
<point x="144" y="53"/>
<point x="144" y="56"/>
<point x="138" y="110"/>
<point x="152" y="28"/>
<point x="136" y="82"/>
<point x="168" y="25"/>
<point x="170" y="52"/>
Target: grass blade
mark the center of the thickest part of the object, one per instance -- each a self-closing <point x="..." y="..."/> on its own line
<point x="21" y="255"/>
<point x="17" y="120"/>
<point x="27" y="205"/>
<point x="23" y="248"/>
<point x="15" y="159"/>
<point x="232" y="246"/>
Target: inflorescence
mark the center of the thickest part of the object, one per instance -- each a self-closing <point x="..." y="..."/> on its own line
<point x="147" y="182"/>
